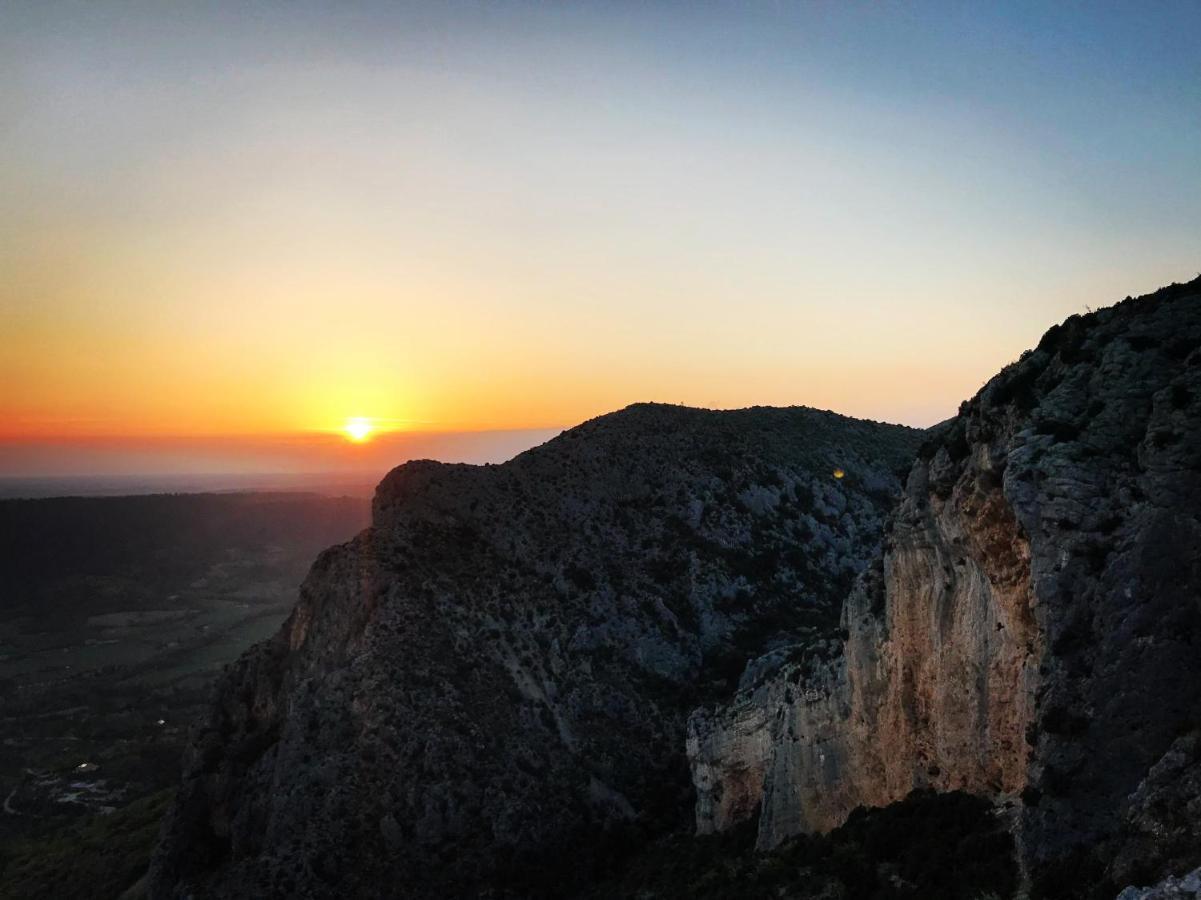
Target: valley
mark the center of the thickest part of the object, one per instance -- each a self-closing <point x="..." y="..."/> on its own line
<point x="116" y="617"/>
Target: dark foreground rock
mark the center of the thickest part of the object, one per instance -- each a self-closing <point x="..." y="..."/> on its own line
<point x="1186" y="887"/>
<point x="929" y="846"/>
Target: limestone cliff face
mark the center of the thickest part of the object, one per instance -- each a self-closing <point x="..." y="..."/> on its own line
<point x="1031" y="629"/>
<point x="934" y="686"/>
<point x="486" y="691"/>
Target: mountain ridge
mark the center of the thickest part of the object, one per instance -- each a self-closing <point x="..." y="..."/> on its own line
<point x="1028" y="630"/>
<point x="501" y="687"/>
<point x="550" y="621"/>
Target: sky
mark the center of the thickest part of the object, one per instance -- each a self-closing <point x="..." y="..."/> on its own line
<point x="228" y="228"/>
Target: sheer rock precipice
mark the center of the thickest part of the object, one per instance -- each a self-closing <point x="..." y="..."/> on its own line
<point x="1030" y="629"/>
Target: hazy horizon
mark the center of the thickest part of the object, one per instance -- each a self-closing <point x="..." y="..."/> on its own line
<point x="107" y="464"/>
<point x="238" y="459"/>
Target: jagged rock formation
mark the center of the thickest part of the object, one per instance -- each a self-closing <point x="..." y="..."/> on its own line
<point x="1031" y="629"/>
<point x="486" y="692"/>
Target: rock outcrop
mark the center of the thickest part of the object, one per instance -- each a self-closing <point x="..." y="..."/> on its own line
<point x="1030" y="630"/>
<point x="486" y="692"/>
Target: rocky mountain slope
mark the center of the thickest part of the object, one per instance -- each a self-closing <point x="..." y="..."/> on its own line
<point x="1029" y="631"/>
<point x="486" y="692"/>
<point x="499" y="689"/>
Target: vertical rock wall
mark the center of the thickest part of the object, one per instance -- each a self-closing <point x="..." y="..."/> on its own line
<point x="934" y="687"/>
<point x="1032" y="628"/>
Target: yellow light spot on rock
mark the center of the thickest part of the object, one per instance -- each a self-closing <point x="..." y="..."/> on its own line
<point x="839" y="473"/>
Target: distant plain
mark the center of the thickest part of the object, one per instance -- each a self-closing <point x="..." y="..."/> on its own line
<point x="116" y="613"/>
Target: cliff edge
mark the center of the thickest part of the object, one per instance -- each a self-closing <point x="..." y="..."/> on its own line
<point x="1030" y="629"/>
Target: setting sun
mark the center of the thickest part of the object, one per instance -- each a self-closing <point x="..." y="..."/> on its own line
<point x="358" y="429"/>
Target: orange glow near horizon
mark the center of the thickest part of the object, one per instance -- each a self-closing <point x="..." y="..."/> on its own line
<point x="229" y="231"/>
<point x="145" y="384"/>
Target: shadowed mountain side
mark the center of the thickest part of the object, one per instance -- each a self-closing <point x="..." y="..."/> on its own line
<point x="487" y="689"/>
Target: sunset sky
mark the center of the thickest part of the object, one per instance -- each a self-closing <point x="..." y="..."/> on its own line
<point x="228" y="228"/>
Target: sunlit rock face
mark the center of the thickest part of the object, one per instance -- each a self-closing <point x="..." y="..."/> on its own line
<point x="933" y="687"/>
<point x="1031" y="629"/>
<point x="487" y="690"/>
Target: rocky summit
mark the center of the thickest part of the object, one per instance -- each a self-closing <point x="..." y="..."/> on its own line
<point x="487" y="690"/>
<point x="774" y="623"/>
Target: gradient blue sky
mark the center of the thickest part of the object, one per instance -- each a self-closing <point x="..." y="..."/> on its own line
<point x="259" y="220"/>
